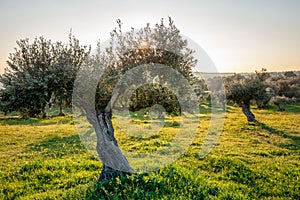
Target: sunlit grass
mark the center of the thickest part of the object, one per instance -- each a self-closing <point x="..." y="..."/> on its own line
<point x="45" y="159"/>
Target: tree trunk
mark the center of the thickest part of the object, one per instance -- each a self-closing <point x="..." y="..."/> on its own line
<point x="280" y="109"/>
<point x="61" y="112"/>
<point x="246" y="110"/>
<point x="44" y="113"/>
<point x="114" y="162"/>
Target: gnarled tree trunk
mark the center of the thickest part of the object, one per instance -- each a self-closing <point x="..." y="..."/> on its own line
<point x="114" y="162"/>
<point x="246" y="110"/>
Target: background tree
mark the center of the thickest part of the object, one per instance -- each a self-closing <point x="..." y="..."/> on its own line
<point x="39" y="71"/>
<point x="127" y="51"/>
<point x="68" y="59"/>
<point x="286" y="86"/>
<point x="281" y="101"/>
<point x="149" y="95"/>
<point x="264" y="97"/>
<point x="25" y="81"/>
<point x="215" y="83"/>
<point x="242" y="89"/>
<point x="289" y="74"/>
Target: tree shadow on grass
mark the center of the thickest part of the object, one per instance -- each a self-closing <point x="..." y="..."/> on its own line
<point x="205" y="108"/>
<point x="289" y="108"/>
<point x="292" y="108"/>
<point x="167" y="183"/>
<point x="231" y="108"/>
<point x="57" y="147"/>
<point x="120" y="187"/>
<point x="295" y="145"/>
<point x="15" y="120"/>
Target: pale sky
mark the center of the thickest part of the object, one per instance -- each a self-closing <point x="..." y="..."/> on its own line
<point x="238" y="35"/>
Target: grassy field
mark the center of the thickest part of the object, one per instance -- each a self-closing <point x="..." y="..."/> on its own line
<point x="44" y="159"/>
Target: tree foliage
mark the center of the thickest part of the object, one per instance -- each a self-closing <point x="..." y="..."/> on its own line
<point x="39" y="71"/>
<point x="288" y="86"/>
<point x="242" y="89"/>
<point x="281" y="101"/>
<point x="159" y="45"/>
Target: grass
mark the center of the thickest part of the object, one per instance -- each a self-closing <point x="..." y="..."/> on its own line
<point x="44" y="159"/>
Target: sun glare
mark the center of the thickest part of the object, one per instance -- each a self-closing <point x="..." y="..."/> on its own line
<point x="144" y="44"/>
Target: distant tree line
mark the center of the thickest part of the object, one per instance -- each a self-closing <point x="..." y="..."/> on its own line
<point x="259" y="88"/>
<point x="42" y="73"/>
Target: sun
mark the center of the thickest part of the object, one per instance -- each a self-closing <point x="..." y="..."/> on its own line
<point x="144" y="44"/>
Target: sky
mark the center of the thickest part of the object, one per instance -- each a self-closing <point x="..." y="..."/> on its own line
<point x="238" y="35"/>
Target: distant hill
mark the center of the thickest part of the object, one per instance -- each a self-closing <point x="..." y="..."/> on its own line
<point x="224" y="74"/>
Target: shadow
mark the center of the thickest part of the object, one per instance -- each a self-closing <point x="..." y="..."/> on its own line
<point x="230" y="108"/>
<point x="15" y="120"/>
<point x="205" y="108"/>
<point x="54" y="111"/>
<point x="172" y="124"/>
<point x="57" y="147"/>
<point x="120" y="187"/>
<point x="288" y="108"/>
<point x="167" y="183"/>
<point x="292" y="108"/>
<point x="295" y="145"/>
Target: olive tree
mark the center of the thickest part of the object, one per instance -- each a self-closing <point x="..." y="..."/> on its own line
<point x="285" y="89"/>
<point x="281" y="101"/>
<point x="68" y="59"/>
<point x="288" y="86"/>
<point x="242" y="89"/>
<point x="145" y="47"/>
<point x="25" y="81"/>
<point x="217" y="94"/>
<point x="39" y="71"/>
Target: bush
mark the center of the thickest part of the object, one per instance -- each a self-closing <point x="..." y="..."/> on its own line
<point x="281" y="101"/>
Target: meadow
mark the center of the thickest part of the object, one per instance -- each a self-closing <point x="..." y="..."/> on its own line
<point x="45" y="159"/>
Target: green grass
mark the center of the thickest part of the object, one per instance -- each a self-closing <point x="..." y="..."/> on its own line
<point x="44" y="159"/>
